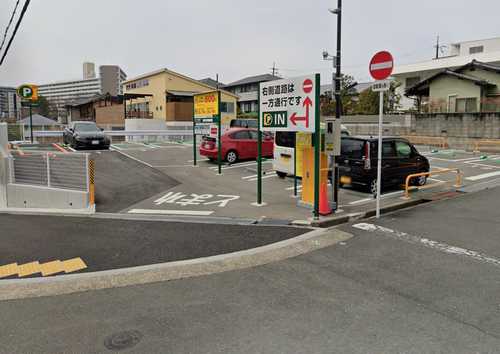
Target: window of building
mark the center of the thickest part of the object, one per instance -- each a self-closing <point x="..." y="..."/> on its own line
<point x="227" y="107"/>
<point x="477" y="49"/>
<point x="466" y="105"/>
<point x="412" y="81"/>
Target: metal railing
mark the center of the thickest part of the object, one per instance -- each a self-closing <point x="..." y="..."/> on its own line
<point x="458" y="180"/>
<point x="438" y="141"/>
<point x="133" y="135"/>
<point x="50" y="169"/>
<point x="486" y="143"/>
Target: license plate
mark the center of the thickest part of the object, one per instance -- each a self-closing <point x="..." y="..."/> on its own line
<point x="345" y="180"/>
<point x="95" y="142"/>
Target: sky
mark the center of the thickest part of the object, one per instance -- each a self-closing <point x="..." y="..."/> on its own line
<point x="233" y="38"/>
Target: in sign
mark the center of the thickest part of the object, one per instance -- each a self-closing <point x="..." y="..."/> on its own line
<point x="381" y="65"/>
<point x="307" y="86"/>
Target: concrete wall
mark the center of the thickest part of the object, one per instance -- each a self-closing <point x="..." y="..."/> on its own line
<point x="461" y="130"/>
<point x="38" y="197"/>
<point x="144" y="124"/>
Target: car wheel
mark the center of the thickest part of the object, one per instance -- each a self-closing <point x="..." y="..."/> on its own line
<point x="231" y="157"/>
<point x="281" y="174"/>
<point x="372" y="187"/>
<point x="420" y="181"/>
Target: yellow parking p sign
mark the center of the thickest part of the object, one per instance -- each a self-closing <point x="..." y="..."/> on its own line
<point x="28" y="92"/>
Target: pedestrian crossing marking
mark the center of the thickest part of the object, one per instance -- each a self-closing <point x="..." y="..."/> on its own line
<point x="46" y="269"/>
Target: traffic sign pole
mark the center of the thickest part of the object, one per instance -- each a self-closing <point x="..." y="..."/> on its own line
<point x="317" y="148"/>
<point x="259" y="155"/>
<point x="219" y="135"/>
<point x="379" y="152"/>
<point x="381" y="67"/>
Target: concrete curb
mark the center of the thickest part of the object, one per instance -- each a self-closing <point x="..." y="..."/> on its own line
<point x="67" y="284"/>
<point x="341" y="219"/>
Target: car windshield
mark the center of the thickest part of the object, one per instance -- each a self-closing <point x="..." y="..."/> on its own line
<point x="86" y="127"/>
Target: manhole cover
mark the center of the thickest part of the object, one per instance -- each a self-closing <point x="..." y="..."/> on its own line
<point x="122" y="340"/>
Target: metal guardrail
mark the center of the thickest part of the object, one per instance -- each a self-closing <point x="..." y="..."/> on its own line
<point x="58" y="133"/>
<point x="438" y="141"/>
<point x="486" y="143"/>
<point x="458" y="180"/>
<point x="50" y="169"/>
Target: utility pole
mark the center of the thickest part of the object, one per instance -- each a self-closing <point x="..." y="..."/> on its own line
<point x="437" y="48"/>
<point x="274" y="69"/>
<point x="338" y="101"/>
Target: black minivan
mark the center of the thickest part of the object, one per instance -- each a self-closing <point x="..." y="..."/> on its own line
<point x="358" y="162"/>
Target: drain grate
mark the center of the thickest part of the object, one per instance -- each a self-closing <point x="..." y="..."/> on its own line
<point x="122" y="340"/>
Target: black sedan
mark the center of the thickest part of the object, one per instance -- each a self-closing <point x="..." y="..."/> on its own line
<point x="85" y="135"/>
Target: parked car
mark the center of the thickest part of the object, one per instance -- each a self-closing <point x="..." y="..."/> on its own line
<point x="85" y="135"/>
<point x="244" y="123"/>
<point x="237" y="144"/>
<point x="358" y="162"/>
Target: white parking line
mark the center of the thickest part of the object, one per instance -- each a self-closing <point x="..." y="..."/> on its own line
<point x="483" y="176"/>
<point x="291" y="188"/>
<point x="172" y="212"/>
<point x="238" y="165"/>
<point x="134" y="158"/>
<point x="435" y="179"/>
<point x="247" y="177"/>
<point x="264" y="177"/>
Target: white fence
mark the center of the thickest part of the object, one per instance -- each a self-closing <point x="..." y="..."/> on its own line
<point x="131" y="135"/>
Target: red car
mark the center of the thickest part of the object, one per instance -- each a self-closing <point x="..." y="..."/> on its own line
<point x="238" y="144"/>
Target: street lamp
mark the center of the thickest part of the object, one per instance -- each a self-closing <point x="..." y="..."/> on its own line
<point x="336" y="90"/>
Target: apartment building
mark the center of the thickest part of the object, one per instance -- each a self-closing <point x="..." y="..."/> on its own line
<point x="9" y="103"/>
<point x="63" y="93"/>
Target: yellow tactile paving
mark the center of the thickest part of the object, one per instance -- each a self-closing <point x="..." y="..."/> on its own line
<point x="28" y="269"/>
<point x="72" y="265"/>
<point x="51" y="268"/>
<point x="8" y="270"/>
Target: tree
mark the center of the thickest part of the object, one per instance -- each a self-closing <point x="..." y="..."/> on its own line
<point x="369" y="101"/>
<point x="347" y="95"/>
<point x="43" y="106"/>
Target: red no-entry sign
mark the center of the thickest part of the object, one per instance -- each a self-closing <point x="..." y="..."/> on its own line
<point x="307" y="86"/>
<point x="381" y="65"/>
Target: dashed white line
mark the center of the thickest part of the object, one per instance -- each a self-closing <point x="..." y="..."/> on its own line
<point x="439" y="246"/>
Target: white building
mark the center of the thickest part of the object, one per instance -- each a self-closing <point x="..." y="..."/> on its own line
<point x="64" y="92"/>
<point x="459" y="54"/>
<point x="9" y="103"/>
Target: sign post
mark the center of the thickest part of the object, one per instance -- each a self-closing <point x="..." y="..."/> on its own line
<point x="207" y="111"/>
<point x="381" y="67"/>
<point x="332" y="149"/>
<point x="219" y="134"/>
<point x="290" y="105"/>
<point x="29" y="93"/>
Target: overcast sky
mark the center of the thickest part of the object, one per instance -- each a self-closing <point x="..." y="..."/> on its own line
<point x="234" y="38"/>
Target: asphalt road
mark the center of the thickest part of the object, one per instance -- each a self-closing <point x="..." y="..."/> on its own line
<point x="121" y="181"/>
<point x="379" y="292"/>
<point x="110" y="243"/>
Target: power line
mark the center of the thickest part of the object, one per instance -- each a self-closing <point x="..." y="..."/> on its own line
<point x="8" y="25"/>
<point x="25" y="7"/>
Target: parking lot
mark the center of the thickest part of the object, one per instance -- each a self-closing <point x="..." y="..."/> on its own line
<point x="160" y="179"/>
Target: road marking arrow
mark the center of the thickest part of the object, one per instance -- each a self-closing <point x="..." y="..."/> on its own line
<point x="294" y="118"/>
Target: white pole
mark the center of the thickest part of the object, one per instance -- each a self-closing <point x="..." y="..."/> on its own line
<point x="379" y="151"/>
